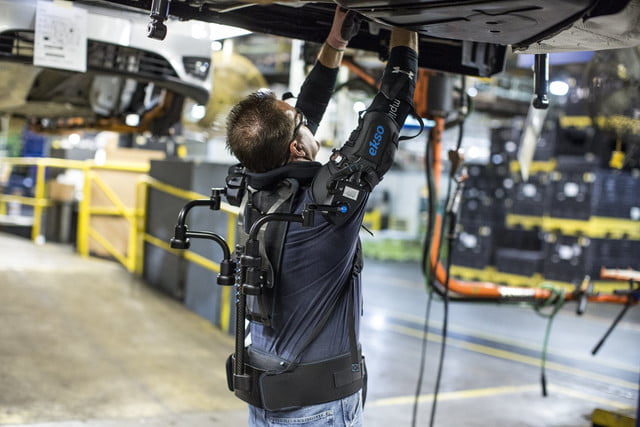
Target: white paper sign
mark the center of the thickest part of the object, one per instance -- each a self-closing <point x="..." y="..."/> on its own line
<point x="60" y="36"/>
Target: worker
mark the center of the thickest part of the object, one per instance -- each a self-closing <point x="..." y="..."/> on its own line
<point x="304" y="359"/>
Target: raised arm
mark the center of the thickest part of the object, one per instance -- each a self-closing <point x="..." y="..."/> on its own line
<point x="318" y="86"/>
<point x="361" y="163"/>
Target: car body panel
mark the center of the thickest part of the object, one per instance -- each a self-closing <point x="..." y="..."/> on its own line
<point x="127" y="72"/>
<point x="459" y="36"/>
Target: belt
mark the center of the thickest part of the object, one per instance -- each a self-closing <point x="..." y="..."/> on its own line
<point x="306" y="384"/>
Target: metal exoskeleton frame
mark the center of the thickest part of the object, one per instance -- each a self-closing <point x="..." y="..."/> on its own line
<point x="245" y="270"/>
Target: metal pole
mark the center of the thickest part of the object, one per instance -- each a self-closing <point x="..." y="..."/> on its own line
<point x="36" y="230"/>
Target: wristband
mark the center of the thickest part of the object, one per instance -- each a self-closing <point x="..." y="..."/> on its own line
<point x="334" y="48"/>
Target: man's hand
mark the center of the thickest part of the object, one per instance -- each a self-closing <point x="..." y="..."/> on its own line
<point x="346" y="25"/>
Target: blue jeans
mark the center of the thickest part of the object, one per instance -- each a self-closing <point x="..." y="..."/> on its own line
<point x="346" y="412"/>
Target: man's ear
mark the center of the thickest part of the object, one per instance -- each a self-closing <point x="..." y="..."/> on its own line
<point x="295" y="149"/>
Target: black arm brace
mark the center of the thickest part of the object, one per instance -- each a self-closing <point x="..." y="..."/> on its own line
<point x="360" y="164"/>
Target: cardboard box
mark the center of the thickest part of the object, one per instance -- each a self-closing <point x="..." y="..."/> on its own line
<point x="61" y="192"/>
<point x="115" y="230"/>
<point x="133" y="155"/>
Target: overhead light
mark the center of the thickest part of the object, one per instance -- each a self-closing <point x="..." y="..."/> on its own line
<point x="198" y="111"/>
<point x="558" y="88"/>
<point x="472" y="91"/>
<point x="132" y="120"/>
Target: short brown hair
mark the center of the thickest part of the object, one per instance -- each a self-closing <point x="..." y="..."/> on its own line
<point x="258" y="132"/>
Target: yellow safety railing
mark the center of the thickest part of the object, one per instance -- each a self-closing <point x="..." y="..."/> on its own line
<point x="38" y="201"/>
<point x="232" y="213"/>
<point x="133" y="258"/>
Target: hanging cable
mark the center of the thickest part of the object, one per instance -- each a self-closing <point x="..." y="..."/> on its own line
<point x="423" y="357"/>
<point x="427" y="272"/>
<point x="556" y="299"/>
<point x="449" y="224"/>
<point x="445" y="314"/>
<point x="445" y="322"/>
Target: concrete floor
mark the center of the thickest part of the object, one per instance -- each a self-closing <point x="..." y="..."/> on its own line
<point x="83" y="343"/>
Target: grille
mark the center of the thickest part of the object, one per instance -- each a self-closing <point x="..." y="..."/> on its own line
<point x="100" y="56"/>
<point x="17" y="44"/>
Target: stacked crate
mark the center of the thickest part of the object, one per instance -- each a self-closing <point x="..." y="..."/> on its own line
<point x="612" y="253"/>
<point x="565" y="257"/>
<point x="485" y="195"/>
<point x="569" y="191"/>
<point x="616" y="194"/>
<point x="504" y="144"/>
<point x="567" y="220"/>
<point x="473" y="246"/>
<point x="518" y="251"/>
<point x="530" y="196"/>
<point x="482" y="215"/>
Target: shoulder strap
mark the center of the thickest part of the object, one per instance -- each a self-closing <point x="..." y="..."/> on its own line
<point x="257" y="203"/>
<point x="272" y="236"/>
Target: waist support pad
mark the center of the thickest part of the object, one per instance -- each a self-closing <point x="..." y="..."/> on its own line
<point x="307" y="384"/>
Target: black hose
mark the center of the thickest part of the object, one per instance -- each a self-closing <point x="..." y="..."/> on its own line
<point x="449" y="218"/>
<point x="428" y="275"/>
<point x="445" y="317"/>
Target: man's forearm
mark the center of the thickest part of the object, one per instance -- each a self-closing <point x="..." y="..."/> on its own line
<point x="395" y="97"/>
<point x="316" y="92"/>
<point x="318" y="86"/>
<point x="329" y="56"/>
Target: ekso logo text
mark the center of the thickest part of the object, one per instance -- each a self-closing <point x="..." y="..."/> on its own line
<point x="375" y="141"/>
